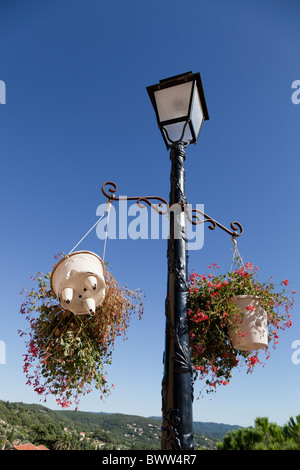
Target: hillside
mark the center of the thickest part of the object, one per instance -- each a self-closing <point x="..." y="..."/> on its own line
<point x="20" y="422"/>
<point x="213" y="430"/>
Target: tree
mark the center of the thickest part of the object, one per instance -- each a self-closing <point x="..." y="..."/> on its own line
<point x="64" y="442"/>
<point x="291" y="430"/>
<point x="43" y="434"/>
<point x="2" y="441"/>
<point x="241" y="439"/>
<point x="264" y="436"/>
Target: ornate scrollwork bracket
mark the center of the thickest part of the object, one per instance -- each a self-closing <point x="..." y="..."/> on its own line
<point x="162" y="207"/>
<point x="193" y="218"/>
<point x="140" y="199"/>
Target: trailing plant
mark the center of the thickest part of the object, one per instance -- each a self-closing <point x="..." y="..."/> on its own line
<point x="212" y="312"/>
<point x="67" y="355"/>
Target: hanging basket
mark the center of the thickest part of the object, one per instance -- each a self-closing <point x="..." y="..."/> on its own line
<point x="250" y="331"/>
<point x="78" y="282"/>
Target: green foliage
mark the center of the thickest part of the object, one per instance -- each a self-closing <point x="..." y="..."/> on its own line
<point x="61" y="429"/>
<point x="264" y="436"/>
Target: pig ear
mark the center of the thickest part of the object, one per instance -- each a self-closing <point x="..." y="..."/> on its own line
<point x="71" y="274"/>
<point x="91" y="282"/>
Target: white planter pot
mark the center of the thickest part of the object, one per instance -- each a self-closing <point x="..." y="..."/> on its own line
<point x="78" y="282"/>
<point x="251" y="329"/>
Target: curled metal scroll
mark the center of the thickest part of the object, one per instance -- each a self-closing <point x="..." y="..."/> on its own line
<point x="192" y="216"/>
<point x="236" y="227"/>
<point x="140" y="199"/>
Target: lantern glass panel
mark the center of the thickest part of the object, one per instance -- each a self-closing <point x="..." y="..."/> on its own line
<point x="197" y="115"/>
<point x="173" y="102"/>
<point x="175" y="132"/>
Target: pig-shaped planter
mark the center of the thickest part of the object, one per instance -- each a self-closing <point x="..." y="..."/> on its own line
<point x="78" y="282"/>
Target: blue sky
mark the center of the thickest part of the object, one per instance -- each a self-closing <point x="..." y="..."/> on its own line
<point x="77" y="114"/>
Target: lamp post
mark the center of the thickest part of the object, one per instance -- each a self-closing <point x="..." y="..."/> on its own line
<point x="180" y="109"/>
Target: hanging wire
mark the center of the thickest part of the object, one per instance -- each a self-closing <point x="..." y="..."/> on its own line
<point x="106" y="233"/>
<point x="236" y="253"/>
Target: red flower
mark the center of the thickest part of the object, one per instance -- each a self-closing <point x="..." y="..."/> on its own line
<point x="253" y="360"/>
<point x="250" y="308"/>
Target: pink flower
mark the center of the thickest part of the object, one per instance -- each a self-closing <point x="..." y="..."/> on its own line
<point x="253" y="360"/>
<point x="224" y="382"/>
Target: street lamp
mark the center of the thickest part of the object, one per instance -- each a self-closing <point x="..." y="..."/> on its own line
<point x="180" y="109"/>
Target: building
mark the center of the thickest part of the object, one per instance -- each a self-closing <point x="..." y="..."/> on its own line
<point x="28" y="446"/>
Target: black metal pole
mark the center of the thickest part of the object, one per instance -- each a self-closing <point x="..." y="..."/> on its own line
<point x="177" y="386"/>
